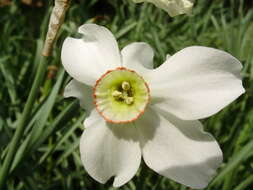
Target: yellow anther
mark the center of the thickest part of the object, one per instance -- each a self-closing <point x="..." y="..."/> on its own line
<point x="129" y="100"/>
<point x="124" y="94"/>
<point x="116" y="94"/>
<point x="125" y="85"/>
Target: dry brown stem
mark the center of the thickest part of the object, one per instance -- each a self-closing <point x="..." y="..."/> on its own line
<point x="56" y="20"/>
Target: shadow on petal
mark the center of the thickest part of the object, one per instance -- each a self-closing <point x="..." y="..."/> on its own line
<point x="185" y="126"/>
<point x="124" y="131"/>
<point x="149" y="118"/>
<point x="197" y="175"/>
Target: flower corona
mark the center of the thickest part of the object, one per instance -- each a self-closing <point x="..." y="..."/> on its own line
<point x="121" y="95"/>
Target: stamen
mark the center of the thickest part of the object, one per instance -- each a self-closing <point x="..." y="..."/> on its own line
<point x="125" y="85"/>
<point x="129" y="100"/>
<point x="117" y="94"/>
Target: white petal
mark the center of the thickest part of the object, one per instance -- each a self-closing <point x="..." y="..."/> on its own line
<point x="138" y="56"/>
<point x="172" y="7"/>
<point x="179" y="150"/>
<point x="88" y="58"/>
<point x="81" y="91"/>
<point x="109" y="150"/>
<point x="196" y="82"/>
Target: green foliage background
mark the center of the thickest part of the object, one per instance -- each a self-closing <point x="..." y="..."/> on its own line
<point x="48" y="155"/>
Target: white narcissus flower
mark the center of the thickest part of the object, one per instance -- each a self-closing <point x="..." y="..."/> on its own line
<point x="136" y="111"/>
<point x="172" y="7"/>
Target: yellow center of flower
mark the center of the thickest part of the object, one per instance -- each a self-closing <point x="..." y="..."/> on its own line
<point x="121" y="95"/>
<point x="124" y="94"/>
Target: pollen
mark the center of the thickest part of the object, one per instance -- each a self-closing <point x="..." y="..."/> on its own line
<point x="124" y="94"/>
<point x="125" y="85"/>
<point x="117" y="94"/>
